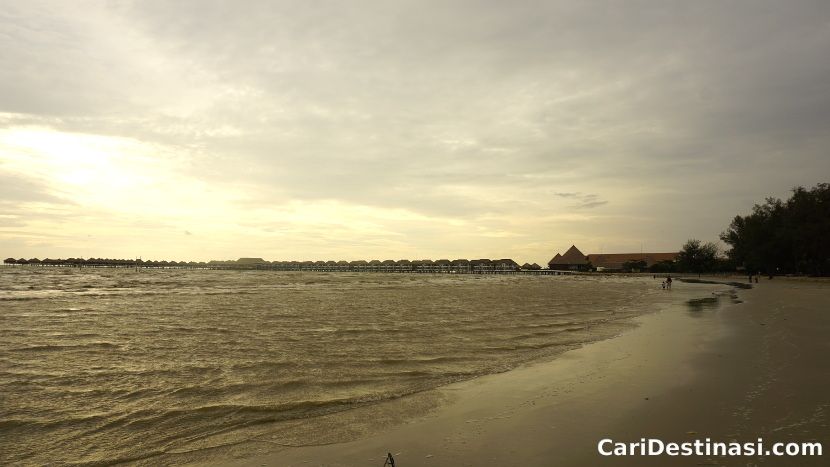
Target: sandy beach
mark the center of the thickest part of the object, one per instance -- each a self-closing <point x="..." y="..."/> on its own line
<point x="734" y="372"/>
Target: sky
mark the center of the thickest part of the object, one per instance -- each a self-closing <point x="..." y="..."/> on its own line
<point x="331" y="130"/>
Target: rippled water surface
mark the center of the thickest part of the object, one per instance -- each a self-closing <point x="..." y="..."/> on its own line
<point x="102" y="365"/>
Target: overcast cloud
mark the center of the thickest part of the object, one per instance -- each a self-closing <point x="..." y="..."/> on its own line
<point x="347" y="130"/>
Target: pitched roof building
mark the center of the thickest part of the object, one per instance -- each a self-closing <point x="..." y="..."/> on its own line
<point x="615" y="261"/>
<point x="573" y="260"/>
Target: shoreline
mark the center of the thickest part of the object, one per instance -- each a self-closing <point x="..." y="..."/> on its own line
<point x="366" y="422"/>
<point x="678" y="376"/>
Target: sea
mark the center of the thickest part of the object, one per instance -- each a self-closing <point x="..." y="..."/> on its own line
<point x="162" y="366"/>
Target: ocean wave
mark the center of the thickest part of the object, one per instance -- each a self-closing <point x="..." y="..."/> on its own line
<point x="34" y="425"/>
<point x="417" y="360"/>
<point x="62" y="347"/>
<point x="173" y="358"/>
<point x="225" y="415"/>
<point x="25" y="295"/>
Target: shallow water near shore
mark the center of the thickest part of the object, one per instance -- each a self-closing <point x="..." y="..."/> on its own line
<point x="106" y="365"/>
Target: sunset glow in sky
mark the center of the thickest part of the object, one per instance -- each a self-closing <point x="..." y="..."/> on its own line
<point x="198" y="130"/>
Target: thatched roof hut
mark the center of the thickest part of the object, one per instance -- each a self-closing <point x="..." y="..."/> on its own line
<point x="573" y="259"/>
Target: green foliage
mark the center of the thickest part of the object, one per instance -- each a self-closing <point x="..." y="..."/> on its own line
<point x="698" y="257"/>
<point x="663" y="267"/>
<point x="784" y="236"/>
<point x="724" y="265"/>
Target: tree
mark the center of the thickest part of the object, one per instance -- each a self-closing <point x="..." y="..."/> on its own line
<point x="664" y="266"/>
<point x="784" y="236"/>
<point x="698" y="257"/>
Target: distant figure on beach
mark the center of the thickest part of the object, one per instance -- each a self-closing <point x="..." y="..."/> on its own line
<point x="750" y="278"/>
<point x="756" y="278"/>
<point x="664" y="285"/>
<point x="668" y="282"/>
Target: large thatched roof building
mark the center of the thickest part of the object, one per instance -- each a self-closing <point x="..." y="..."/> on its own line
<point x="615" y="261"/>
<point x="572" y="260"/>
<point x="575" y="260"/>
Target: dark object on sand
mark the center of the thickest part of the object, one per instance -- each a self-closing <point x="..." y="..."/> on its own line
<point x="701" y="304"/>
<point x="390" y="461"/>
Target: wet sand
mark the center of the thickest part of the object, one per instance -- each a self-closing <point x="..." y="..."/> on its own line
<point x="733" y="372"/>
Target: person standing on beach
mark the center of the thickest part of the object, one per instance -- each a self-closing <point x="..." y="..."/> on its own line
<point x="668" y="282"/>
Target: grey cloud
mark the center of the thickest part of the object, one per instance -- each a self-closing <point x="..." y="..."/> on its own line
<point x="16" y="190"/>
<point x="392" y="104"/>
<point x="584" y="200"/>
<point x="591" y="204"/>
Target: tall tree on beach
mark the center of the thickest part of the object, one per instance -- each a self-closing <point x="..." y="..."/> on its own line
<point x="784" y="236"/>
<point x="698" y="257"/>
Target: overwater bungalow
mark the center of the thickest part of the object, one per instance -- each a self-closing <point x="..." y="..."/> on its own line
<point x="505" y="264"/>
<point x="461" y="266"/>
<point x="425" y="265"/>
<point x="481" y="266"/>
<point x="442" y="266"/>
<point x="374" y="265"/>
